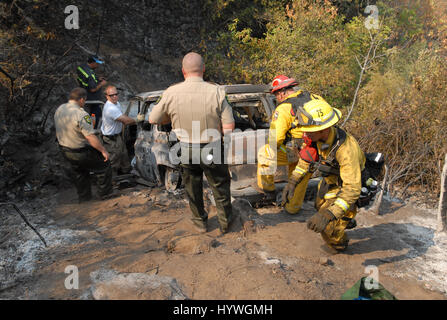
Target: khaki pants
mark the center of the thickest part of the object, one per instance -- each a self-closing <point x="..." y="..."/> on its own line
<point x="268" y="161"/>
<point x="116" y="148"/>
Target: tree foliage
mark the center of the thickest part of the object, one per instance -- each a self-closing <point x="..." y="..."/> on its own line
<point x="305" y="40"/>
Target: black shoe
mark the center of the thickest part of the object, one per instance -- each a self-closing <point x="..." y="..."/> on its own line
<point x="110" y="195"/>
<point x="84" y="199"/>
<point x="351" y="224"/>
<point x="123" y="184"/>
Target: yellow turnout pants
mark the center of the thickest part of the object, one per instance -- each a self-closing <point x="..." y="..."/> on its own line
<point x="334" y="234"/>
<point x="268" y="161"/>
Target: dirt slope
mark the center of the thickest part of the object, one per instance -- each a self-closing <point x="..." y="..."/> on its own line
<point x="147" y="231"/>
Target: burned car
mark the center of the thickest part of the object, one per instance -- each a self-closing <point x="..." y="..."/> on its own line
<point x="154" y="145"/>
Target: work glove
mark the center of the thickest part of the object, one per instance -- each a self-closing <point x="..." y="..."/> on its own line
<point x="309" y="154"/>
<point x="319" y="221"/>
<point x="140" y="118"/>
<point x="289" y="189"/>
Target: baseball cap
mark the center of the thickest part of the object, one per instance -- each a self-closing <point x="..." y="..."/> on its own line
<point x="94" y="58"/>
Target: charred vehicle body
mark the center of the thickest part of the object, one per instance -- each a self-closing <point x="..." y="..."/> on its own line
<point x="154" y="145"/>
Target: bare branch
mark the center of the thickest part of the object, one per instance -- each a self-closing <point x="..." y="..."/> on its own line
<point x="362" y="71"/>
<point x="11" y="86"/>
<point x="412" y="182"/>
<point x="360" y="65"/>
<point x="11" y="78"/>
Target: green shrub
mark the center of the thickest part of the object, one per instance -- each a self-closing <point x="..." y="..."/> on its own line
<point x="306" y="41"/>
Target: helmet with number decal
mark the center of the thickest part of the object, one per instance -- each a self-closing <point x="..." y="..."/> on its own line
<point x="282" y="81"/>
<point x="317" y="115"/>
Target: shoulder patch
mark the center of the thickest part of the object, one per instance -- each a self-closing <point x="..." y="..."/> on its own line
<point x="88" y="119"/>
<point x="275" y="115"/>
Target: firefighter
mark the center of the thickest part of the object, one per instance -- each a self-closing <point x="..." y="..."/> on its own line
<point x="285" y="139"/>
<point x="338" y="158"/>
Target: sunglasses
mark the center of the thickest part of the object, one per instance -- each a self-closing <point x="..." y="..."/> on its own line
<point x="112" y="95"/>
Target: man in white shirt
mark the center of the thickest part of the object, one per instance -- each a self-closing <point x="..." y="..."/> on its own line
<point x="111" y="128"/>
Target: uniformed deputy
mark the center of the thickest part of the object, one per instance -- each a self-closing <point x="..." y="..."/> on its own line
<point x="87" y="79"/>
<point x="340" y="161"/>
<point x="81" y="147"/>
<point x="197" y="111"/>
<point x="285" y="139"/>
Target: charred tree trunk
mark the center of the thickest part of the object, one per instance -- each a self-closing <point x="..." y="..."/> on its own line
<point x="375" y="208"/>
<point x="251" y="221"/>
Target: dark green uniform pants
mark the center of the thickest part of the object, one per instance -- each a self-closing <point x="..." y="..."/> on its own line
<point x="119" y="160"/>
<point x="219" y="180"/>
<point x="82" y="161"/>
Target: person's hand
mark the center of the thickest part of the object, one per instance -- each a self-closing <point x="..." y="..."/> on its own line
<point x="102" y="82"/>
<point x="319" y="221"/>
<point x="140" y="117"/>
<point x="106" y="156"/>
<point x="289" y="189"/>
<point x="309" y="154"/>
<point x="287" y="193"/>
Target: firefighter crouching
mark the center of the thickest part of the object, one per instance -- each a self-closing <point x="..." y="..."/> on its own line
<point x="284" y="141"/>
<point x="338" y="158"/>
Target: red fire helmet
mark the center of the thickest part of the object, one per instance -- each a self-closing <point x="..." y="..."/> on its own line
<point x="282" y="81"/>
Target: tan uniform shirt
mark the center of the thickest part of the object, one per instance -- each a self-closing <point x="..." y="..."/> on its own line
<point x="72" y="124"/>
<point x="196" y="109"/>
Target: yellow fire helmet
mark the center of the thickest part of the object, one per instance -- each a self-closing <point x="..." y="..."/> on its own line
<point x="317" y="115"/>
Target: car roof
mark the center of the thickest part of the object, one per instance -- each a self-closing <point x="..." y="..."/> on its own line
<point x="229" y="89"/>
<point x="247" y="88"/>
<point x="148" y="95"/>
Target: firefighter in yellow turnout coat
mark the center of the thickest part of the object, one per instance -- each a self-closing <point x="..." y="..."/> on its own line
<point x="283" y="129"/>
<point x="339" y="159"/>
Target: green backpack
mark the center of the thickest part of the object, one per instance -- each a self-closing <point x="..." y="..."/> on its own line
<point x="359" y="292"/>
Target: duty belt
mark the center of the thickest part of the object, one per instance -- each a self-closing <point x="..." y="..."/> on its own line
<point x="112" y="137"/>
<point x="78" y="150"/>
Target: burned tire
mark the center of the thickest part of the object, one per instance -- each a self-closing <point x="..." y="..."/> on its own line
<point x="171" y="177"/>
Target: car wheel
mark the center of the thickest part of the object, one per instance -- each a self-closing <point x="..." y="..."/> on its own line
<point x="172" y="179"/>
